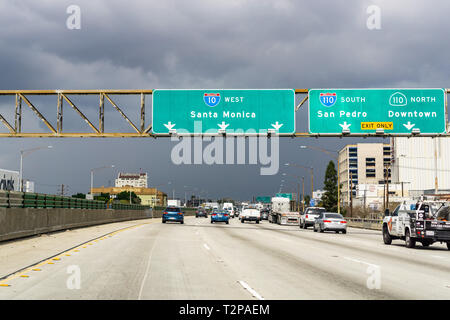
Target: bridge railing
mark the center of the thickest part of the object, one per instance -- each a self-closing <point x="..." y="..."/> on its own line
<point x="14" y="199"/>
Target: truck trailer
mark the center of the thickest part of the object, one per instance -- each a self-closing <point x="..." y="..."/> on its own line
<point x="281" y="212"/>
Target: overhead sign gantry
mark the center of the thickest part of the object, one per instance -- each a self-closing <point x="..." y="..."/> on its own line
<point x="332" y="112"/>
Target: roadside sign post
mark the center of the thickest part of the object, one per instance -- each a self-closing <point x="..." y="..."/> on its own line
<point x="383" y="111"/>
<point x="223" y="111"/>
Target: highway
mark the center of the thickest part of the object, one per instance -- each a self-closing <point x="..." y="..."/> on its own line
<point x="145" y="259"/>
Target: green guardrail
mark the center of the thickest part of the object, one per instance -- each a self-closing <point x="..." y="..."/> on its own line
<point x="14" y="199"/>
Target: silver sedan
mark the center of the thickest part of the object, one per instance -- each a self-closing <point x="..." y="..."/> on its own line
<point x="330" y="221"/>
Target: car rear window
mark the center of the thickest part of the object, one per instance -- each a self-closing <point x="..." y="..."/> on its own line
<point x="315" y="211"/>
<point x="334" y="216"/>
<point x="173" y="209"/>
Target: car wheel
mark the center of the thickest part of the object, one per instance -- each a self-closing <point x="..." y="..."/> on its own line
<point x="164" y="221"/>
<point x="344" y="232"/>
<point x="182" y="222"/>
<point x="410" y="243"/>
<point x="315" y="229"/>
<point x="448" y="245"/>
<point x="257" y="221"/>
<point x="320" y="229"/>
<point x="228" y="222"/>
<point x="337" y="232"/>
<point x="242" y="220"/>
<point x="386" y="236"/>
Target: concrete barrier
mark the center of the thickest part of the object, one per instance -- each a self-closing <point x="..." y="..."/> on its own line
<point x="372" y="224"/>
<point x="23" y="222"/>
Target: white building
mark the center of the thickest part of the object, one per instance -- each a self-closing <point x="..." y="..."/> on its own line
<point x="421" y="162"/>
<point x="138" y="180"/>
<point x="317" y="195"/>
<point x="373" y="195"/>
<point x="9" y="180"/>
<point x="28" y="186"/>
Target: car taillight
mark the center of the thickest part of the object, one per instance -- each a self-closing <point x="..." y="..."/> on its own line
<point x="180" y="212"/>
<point x="326" y="221"/>
<point x="164" y="212"/>
<point x="226" y="215"/>
<point x="306" y="217"/>
<point x="343" y="221"/>
<point x="214" y="214"/>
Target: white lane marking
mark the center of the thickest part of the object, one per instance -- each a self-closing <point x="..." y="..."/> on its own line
<point x="249" y="289"/>
<point x="206" y="246"/>
<point x="363" y="262"/>
<point x="439" y="257"/>
<point x="147" y="269"/>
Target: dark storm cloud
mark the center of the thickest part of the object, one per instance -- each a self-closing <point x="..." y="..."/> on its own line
<point x="207" y="44"/>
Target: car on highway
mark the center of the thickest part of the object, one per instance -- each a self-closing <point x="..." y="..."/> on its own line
<point x="265" y="214"/>
<point x="330" y="221"/>
<point x="250" y="213"/>
<point x="220" y="216"/>
<point x="308" y="216"/>
<point x="426" y="222"/>
<point x="173" y="213"/>
<point x="201" y="212"/>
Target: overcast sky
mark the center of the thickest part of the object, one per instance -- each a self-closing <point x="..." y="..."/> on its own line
<point x="202" y="44"/>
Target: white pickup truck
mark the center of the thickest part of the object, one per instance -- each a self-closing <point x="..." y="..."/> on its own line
<point x="250" y="213"/>
<point x="426" y="222"/>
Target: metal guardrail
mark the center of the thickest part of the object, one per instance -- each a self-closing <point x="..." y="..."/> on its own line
<point x="14" y="199"/>
<point x="378" y="221"/>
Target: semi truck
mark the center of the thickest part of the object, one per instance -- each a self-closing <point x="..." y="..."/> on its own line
<point x="174" y="203"/>
<point x="281" y="212"/>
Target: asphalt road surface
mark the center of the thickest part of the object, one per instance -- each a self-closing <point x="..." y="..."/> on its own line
<point x="146" y="259"/>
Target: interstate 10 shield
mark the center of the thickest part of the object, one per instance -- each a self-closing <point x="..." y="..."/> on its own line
<point x="211" y="99"/>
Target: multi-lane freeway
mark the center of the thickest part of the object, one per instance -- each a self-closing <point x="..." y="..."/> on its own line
<point x="146" y="259"/>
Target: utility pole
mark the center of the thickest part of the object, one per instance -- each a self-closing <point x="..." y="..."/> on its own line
<point x="386" y="188"/>
<point x="298" y="196"/>
<point x="62" y="189"/>
<point x="303" y="194"/>
<point x="435" y="168"/>
<point x="351" y="194"/>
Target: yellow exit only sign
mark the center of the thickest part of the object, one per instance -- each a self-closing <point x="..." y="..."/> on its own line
<point x="377" y="125"/>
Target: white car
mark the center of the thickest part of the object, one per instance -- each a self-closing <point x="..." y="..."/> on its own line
<point x="250" y="214"/>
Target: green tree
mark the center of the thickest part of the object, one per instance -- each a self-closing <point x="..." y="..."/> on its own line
<point x="330" y="197"/>
<point x="307" y="200"/>
<point x="125" y="195"/>
<point x="79" y="195"/>
<point x="103" y="197"/>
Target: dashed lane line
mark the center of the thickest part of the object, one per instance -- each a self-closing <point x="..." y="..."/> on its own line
<point x="57" y="257"/>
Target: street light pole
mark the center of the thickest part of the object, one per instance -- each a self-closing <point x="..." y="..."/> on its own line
<point x="92" y="176"/>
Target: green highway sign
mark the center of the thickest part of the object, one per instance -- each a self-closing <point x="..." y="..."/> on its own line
<point x="359" y="111"/>
<point x="284" y="195"/>
<point x="223" y="110"/>
<point x="264" y="199"/>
